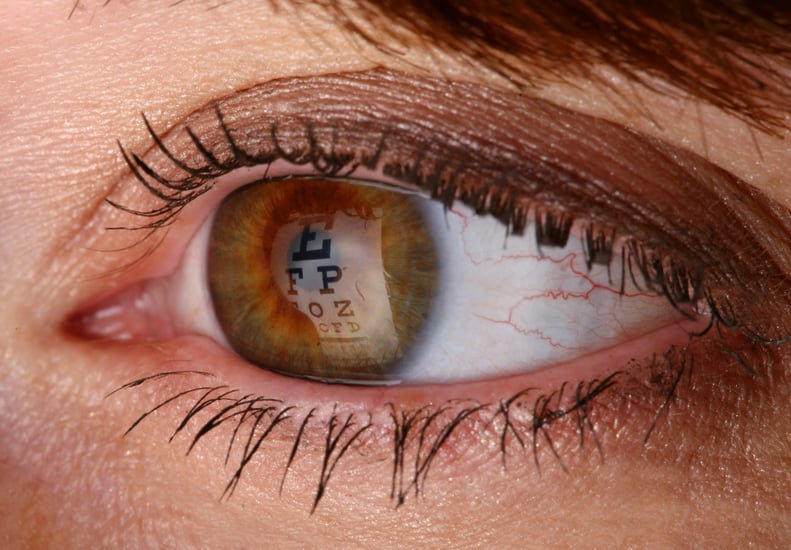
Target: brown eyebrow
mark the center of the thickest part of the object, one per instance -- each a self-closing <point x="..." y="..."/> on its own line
<point x="729" y="53"/>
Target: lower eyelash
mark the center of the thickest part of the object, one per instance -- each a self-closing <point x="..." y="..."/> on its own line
<point x="527" y="424"/>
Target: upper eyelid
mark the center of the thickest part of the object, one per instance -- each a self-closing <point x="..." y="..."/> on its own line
<point x="537" y="152"/>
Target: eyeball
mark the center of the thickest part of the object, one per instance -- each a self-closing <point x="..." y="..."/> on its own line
<point x="347" y="282"/>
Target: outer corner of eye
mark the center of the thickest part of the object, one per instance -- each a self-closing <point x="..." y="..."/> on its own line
<point x="346" y="282"/>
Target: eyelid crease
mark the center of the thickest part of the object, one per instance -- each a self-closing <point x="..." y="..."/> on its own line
<point x="501" y="153"/>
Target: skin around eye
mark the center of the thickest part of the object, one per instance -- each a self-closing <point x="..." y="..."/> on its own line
<point x="712" y="473"/>
<point x="465" y="144"/>
<point x="536" y="163"/>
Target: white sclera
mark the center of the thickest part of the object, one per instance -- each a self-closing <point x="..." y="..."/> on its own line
<point x="506" y="306"/>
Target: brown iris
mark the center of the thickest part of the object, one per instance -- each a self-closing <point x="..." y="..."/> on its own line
<point x="321" y="278"/>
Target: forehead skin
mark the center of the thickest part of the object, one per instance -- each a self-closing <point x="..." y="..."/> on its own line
<point x="69" y="88"/>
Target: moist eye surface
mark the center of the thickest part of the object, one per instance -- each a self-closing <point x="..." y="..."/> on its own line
<point x="345" y="281"/>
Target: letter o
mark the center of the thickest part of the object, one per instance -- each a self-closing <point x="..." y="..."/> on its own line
<point x="315" y="309"/>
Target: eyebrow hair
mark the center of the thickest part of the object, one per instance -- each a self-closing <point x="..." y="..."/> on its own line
<point x="728" y="53"/>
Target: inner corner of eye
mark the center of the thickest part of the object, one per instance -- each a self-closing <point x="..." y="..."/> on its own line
<point x="348" y="282"/>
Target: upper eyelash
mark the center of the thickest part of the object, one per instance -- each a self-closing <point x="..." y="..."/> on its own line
<point x="662" y="274"/>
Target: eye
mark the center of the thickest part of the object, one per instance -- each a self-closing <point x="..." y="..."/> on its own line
<point x="342" y="281"/>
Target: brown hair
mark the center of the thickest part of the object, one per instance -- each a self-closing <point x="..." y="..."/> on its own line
<point x="730" y="54"/>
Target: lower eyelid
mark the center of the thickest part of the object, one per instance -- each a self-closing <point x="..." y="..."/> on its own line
<point x="623" y="411"/>
<point x="622" y="415"/>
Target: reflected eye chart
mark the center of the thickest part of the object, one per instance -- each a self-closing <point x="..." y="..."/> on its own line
<point x="330" y="267"/>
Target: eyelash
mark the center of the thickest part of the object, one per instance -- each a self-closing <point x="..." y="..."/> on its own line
<point x="664" y="275"/>
<point x="412" y="430"/>
<point x="419" y="434"/>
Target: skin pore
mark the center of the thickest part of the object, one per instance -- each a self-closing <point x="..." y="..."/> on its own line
<point x="714" y="472"/>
